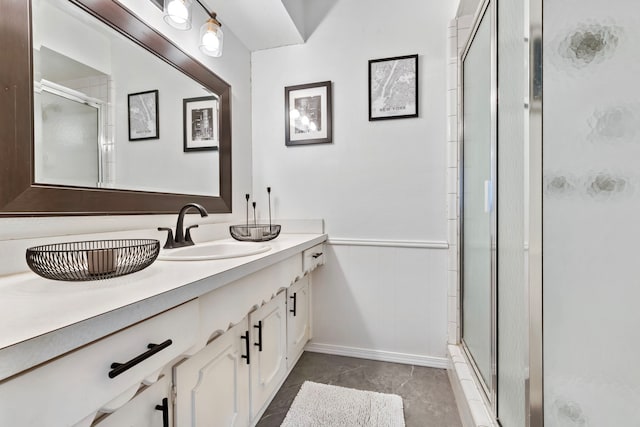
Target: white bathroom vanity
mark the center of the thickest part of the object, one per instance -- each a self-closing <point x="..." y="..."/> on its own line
<point x="181" y="343"/>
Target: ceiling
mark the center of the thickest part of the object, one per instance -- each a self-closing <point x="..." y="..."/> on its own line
<point x="273" y="23"/>
<point x="258" y="25"/>
<point x="58" y="68"/>
<point x="270" y="23"/>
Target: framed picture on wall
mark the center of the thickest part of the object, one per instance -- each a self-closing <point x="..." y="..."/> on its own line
<point x="307" y="114"/>
<point x="393" y="88"/>
<point x="143" y="115"/>
<point x="201" y="123"/>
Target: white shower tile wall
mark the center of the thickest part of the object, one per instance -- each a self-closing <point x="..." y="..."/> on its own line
<point x="459" y="30"/>
<point x="108" y="145"/>
<point x="452" y="178"/>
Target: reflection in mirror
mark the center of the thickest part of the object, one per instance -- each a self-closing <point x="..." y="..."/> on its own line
<point x="84" y="72"/>
<point x="73" y="125"/>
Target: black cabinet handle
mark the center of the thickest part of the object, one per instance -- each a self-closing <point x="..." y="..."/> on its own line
<point x="165" y="411"/>
<point x="293" y="310"/>
<point x="316" y="255"/>
<point x="246" y="346"/>
<point x="259" y="327"/>
<point x="118" y="368"/>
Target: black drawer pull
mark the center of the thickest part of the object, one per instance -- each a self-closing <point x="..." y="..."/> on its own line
<point x="316" y="255"/>
<point x="165" y="411"/>
<point x="246" y="346"/>
<point x="259" y="327"/>
<point x="293" y="310"/>
<point x="118" y="368"/>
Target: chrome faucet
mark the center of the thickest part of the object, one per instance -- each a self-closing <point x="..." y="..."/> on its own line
<point x="182" y="238"/>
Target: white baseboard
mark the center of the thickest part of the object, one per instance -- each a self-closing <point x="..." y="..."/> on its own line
<point x="384" y="356"/>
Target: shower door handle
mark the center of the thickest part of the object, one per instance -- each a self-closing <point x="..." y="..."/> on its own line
<point x="488" y="196"/>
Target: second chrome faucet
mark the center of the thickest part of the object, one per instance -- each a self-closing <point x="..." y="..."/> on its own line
<point x="183" y="238"/>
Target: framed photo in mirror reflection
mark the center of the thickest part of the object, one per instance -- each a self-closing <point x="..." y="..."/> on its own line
<point x="143" y="115"/>
<point x="201" y="123"/>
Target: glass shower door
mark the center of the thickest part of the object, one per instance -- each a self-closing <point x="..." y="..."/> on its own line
<point x="478" y="206"/>
<point x="67" y="135"/>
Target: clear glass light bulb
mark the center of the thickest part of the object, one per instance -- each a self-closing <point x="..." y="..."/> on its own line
<point x="178" y="11"/>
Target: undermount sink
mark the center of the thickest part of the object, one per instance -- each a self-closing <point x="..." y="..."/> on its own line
<point x="214" y="250"/>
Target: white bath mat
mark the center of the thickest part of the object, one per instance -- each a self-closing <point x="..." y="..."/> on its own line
<point x="321" y="405"/>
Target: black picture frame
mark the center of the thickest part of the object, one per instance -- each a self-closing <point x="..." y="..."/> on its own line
<point x="201" y="123"/>
<point x="143" y="117"/>
<point x="158" y="3"/>
<point x="400" y="74"/>
<point x="308" y="114"/>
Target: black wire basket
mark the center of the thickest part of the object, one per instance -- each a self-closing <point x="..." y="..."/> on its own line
<point x="92" y="260"/>
<point x="254" y="232"/>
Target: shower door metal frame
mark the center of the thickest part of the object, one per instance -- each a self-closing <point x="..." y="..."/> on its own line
<point x="534" y="383"/>
<point x="488" y="9"/>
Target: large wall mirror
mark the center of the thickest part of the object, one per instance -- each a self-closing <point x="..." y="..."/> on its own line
<point x="99" y="113"/>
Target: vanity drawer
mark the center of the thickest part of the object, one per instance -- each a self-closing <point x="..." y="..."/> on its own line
<point x="72" y="387"/>
<point x="313" y="257"/>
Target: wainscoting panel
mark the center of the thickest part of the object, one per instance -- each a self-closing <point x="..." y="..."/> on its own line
<point x="382" y="301"/>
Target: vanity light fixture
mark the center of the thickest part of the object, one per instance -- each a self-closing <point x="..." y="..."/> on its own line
<point x="177" y="13"/>
<point x="211" y="36"/>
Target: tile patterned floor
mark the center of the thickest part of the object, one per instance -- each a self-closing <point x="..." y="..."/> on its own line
<point x="426" y="392"/>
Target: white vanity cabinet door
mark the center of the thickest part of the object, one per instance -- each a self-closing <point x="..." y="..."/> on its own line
<point x="212" y="386"/>
<point x="268" y="330"/>
<point x="147" y="409"/>
<point x="298" y="325"/>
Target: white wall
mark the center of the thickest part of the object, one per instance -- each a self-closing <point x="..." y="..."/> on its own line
<point x="378" y="181"/>
<point x="235" y="68"/>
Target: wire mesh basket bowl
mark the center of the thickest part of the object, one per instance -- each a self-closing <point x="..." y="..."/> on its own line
<point x="254" y="232"/>
<point x="92" y="260"/>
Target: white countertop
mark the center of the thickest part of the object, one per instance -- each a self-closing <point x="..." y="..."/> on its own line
<point x="41" y="319"/>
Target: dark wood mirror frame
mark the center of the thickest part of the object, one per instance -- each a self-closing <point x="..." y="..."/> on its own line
<point x="19" y="195"/>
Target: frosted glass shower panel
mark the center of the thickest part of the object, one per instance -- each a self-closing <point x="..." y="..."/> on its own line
<point x="591" y="202"/>
<point x="477" y="200"/>
<point x="69" y="153"/>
